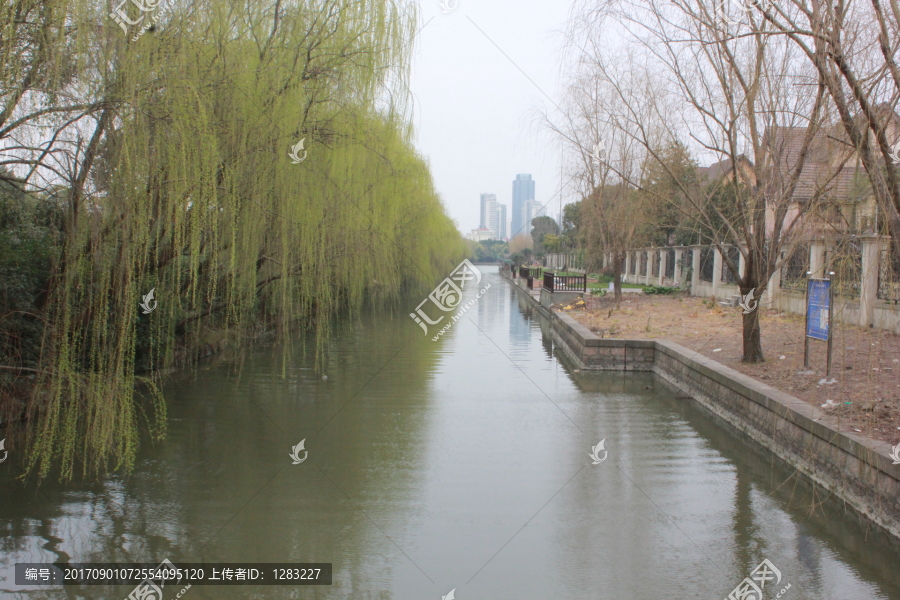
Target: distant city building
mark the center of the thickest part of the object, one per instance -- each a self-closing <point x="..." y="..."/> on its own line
<point x="523" y="191"/>
<point x="481" y="234"/>
<point x="488" y="203"/>
<point x="493" y="216"/>
<point x="530" y="210"/>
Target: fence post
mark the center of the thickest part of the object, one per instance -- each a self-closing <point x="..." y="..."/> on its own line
<point x="717" y="271"/>
<point x="774" y="285"/>
<point x="628" y="266"/>
<point x="817" y="259"/>
<point x="868" y="288"/>
<point x="638" y="255"/>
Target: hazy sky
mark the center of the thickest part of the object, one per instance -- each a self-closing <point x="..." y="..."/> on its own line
<point x="475" y="109"/>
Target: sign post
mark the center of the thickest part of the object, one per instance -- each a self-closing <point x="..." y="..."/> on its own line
<point x="819" y="303"/>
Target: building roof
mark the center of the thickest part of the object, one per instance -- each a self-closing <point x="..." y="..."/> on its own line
<point x="722" y="168"/>
<point x="829" y="168"/>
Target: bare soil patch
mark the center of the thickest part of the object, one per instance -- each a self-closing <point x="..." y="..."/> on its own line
<point x="863" y="399"/>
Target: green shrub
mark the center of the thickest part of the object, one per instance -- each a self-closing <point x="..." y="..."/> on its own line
<point x="660" y="289"/>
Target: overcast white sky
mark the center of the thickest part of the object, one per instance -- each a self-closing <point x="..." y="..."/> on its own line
<point x="474" y="109"/>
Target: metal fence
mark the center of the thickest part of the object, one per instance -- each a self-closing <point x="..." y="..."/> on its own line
<point x="889" y="276"/>
<point x="842" y="262"/>
<point x="687" y="265"/>
<point x="531" y="274"/>
<point x="707" y="264"/>
<point x="565" y="260"/>
<point x="727" y="276"/>
<point x="565" y="283"/>
<point x="845" y="260"/>
<point x="793" y="270"/>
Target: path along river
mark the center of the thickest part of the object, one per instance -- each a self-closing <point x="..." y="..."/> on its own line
<point x="458" y="464"/>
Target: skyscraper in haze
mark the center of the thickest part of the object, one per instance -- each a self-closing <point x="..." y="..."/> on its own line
<point x="523" y="191"/>
<point x="530" y="210"/>
<point x="486" y="206"/>
<point x="502" y="234"/>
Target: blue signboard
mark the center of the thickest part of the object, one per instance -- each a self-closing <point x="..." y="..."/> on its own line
<point x="818" y="309"/>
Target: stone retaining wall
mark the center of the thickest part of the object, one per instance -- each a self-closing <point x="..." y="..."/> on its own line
<point x="857" y="470"/>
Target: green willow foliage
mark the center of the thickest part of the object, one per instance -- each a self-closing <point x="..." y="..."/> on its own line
<point x="192" y="192"/>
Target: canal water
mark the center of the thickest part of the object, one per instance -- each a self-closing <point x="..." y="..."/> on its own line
<point x="458" y="464"/>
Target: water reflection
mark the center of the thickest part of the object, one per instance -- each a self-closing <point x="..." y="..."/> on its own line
<point x="461" y="463"/>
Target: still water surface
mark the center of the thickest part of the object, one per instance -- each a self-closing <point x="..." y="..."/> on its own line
<point x="461" y="463"/>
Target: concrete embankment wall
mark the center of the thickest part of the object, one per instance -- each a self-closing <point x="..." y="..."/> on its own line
<point x="856" y="470"/>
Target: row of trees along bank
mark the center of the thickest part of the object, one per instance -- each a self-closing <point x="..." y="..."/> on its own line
<point x="161" y="161"/>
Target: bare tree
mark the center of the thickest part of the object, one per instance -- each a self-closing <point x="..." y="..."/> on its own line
<point x="853" y="47"/>
<point x="603" y="160"/>
<point x="732" y="91"/>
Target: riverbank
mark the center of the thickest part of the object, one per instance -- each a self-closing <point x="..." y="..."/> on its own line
<point x="856" y="469"/>
<point x="862" y="392"/>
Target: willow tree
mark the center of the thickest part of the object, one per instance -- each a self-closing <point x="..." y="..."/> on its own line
<point x="197" y="187"/>
<point x="605" y="163"/>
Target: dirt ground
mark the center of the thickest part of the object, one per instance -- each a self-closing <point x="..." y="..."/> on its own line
<point x="864" y="397"/>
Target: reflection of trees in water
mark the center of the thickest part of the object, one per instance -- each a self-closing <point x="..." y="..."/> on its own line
<point x="217" y="477"/>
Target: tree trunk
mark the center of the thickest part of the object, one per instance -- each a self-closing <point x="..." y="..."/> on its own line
<point x="752" y="340"/>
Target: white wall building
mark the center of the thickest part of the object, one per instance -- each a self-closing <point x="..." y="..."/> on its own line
<point x="481" y="234"/>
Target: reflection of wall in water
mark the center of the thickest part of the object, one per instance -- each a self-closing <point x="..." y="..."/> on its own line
<point x="546" y="334"/>
<point x="520" y="321"/>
